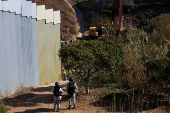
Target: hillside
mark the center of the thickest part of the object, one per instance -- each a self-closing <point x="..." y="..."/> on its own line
<point x="69" y="26"/>
<point x="142" y="11"/>
<point x="138" y="82"/>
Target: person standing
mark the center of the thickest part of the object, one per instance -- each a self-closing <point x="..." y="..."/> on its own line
<point x="64" y="77"/>
<point x="57" y="96"/>
<point x="71" y="86"/>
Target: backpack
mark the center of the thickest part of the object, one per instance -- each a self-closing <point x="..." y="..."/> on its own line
<point x="56" y="91"/>
<point x="71" y="89"/>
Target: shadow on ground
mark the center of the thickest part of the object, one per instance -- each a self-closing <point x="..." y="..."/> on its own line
<point x="37" y="110"/>
<point x="32" y="99"/>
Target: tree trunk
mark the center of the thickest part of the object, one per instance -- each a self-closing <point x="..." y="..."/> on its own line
<point x="87" y="87"/>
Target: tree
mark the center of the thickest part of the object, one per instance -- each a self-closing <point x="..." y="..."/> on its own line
<point x="91" y="56"/>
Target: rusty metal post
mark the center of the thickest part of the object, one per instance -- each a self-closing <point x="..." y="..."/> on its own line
<point x="120" y="15"/>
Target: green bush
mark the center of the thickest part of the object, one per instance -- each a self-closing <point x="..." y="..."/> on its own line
<point x="148" y="27"/>
<point x="128" y="5"/>
<point x="135" y="36"/>
<point x="110" y="85"/>
<point x="69" y="14"/>
<point x="138" y="51"/>
<point x="86" y="5"/>
<point x="158" y="71"/>
<point x="80" y="84"/>
<point x="107" y="80"/>
<point x="157" y="27"/>
<point x="3" y="108"/>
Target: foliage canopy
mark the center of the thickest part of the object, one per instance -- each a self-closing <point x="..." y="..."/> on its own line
<point x="91" y="56"/>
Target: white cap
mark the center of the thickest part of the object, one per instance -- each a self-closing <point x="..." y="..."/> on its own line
<point x="62" y="68"/>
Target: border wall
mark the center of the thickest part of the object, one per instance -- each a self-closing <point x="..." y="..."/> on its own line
<point x="48" y="34"/>
<point x="28" y="45"/>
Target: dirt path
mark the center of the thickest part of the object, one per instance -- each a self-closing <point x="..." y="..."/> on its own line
<point x="79" y="19"/>
<point x="40" y="99"/>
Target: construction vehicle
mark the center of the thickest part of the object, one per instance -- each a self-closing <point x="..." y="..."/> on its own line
<point x="99" y="30"/>
<point x="95" y="32"/>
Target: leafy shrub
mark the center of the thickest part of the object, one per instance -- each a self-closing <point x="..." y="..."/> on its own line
<point x="80" y="84"/>
<point x="162" y="24"/>
<point x="93" y="20"/>
<point x="128" y="5"/>
<point x="107" y="80"/>
<point x="86" y="5"/>
<point x="138" y="51"/>
<point x="157" y="71"/>
<point x="3" y="108"/>
<point x="158" y="26"/>
<point x="147" y="27"/>
<point x="111" y="85"/>
<point x="69" y="14"/>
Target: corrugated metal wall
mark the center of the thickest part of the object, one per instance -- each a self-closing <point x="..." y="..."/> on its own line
<point x="48" y="46"/>
<point x="18" y="52"/>
<point x="48" y="35"/>
<point x="28" y="48"/>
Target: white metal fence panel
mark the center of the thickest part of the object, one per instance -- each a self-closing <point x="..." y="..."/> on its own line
<point x="34" y="10"/>
<point x="1" y="7"/>
<point x="41" y="12"/>
<point x="15" y="6"/>
<point x="18" y="49"/>
<point x="26" y="8"/>
<point x="49" y="15"/>
<point x="57" y="18"/>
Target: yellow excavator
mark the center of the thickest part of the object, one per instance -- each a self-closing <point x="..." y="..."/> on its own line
<point x="95" y="32"/>
<point x="99" y="30"/>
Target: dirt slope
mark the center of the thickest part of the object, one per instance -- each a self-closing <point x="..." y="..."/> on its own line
<point x="69" y="25"/>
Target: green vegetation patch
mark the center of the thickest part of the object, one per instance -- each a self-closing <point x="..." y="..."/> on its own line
<point x="3" y="108"/>
<point x="69" y="14"/>
<point x="86" y="5"/>
<point x="128" y="5"/>
<point x="158" y="27"/>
